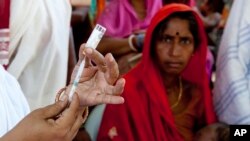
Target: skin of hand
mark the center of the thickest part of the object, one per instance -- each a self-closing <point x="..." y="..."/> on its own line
<point x="79" y="3"/>
<point x="141" y="31"/>
<point x="99" y="83"/>
<point x="56" y="122"/>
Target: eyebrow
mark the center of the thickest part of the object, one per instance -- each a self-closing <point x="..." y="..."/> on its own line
<point x="167" y="36"/>
<point x="186" y="38"/>
<point x="181" y="37"/>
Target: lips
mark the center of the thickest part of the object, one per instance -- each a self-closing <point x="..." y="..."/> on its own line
<point x="173" y="64"/>
<point x="172" y="67"/>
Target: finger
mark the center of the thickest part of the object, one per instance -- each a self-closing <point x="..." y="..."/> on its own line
<point x="87" y="74"/>
<point x="112" y="69"/>
<point x="88" y="62"/>
<point x="117" y="89"/>
<point x="78" y="123"/>
<point x="69" y="115"/>
<point x="55" y="109"/>
<point x="119" y="86"/>
<point x="81" y="57"/>
<point x="60" y="93"/>
<point x="81" y="53"/>
<point x="109" y="99"/>
<point x="109" y="96"/>
<point x="96" y="57"/>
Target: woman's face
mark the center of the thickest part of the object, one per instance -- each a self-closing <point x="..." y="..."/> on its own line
<point x="175" y="47"/>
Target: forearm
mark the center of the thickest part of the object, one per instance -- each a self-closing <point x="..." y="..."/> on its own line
<point x="80" y="2"/>
<point x="12" y="136"/>
<point x="7" y="138"/>
<point x="116" y="46"/>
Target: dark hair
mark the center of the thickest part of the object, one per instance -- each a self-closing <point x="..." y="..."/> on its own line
<point x="218" y="131"/>
<point x="175" y="1"/>
<point x="215" y="5"/>
<point x="223" y="132"/>
<point x="193" y="27"/>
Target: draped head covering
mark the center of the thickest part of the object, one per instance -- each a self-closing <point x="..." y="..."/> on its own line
<point x="126" y="20"/>
<point x="146" y="113"/>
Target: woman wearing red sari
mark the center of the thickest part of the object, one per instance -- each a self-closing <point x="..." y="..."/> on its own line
<point x="167" y="95"/>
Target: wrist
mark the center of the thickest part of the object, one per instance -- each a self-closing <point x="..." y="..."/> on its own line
<point x="139" y="40"/>
<point x="85" y="113"/>
<point x="131" y="40"/>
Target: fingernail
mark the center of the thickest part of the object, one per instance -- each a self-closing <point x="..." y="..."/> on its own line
<point x="88" y="50"/>
<point x="63" y="97"/>
<point x="84" y="53"/>
<point x="111" y="58"/>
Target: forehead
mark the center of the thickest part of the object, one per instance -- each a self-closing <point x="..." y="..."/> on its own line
<point x="177" y="25"/>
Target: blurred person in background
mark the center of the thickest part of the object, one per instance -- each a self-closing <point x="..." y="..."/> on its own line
<point x="36" y="44"/>
<point x="231" y="93"/>
<point x="126" y="22"/>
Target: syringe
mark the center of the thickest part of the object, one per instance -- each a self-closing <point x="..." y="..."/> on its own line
<point x="92" y="42"/>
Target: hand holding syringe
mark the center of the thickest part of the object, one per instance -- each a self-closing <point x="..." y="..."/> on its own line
<point x="99" y="83"/>
<point x="92" y="42"/>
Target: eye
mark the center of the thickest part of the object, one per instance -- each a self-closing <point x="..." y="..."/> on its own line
<point x="166" y="39"/>
<point x="186" y="41"/>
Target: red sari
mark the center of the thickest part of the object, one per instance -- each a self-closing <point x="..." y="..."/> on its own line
<point x="146" y="114"/>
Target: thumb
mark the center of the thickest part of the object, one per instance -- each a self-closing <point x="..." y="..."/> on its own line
<point x="81" y="53"/>
<point x="55" y="109"/>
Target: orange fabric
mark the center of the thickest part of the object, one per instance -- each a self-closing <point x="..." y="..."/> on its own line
<point x="146" y="114"/>
<point x="100" y="7"/>
<point x="186" y="121"/>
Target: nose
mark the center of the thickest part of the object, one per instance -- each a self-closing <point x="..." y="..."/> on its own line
<point x="175" y="49"/>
